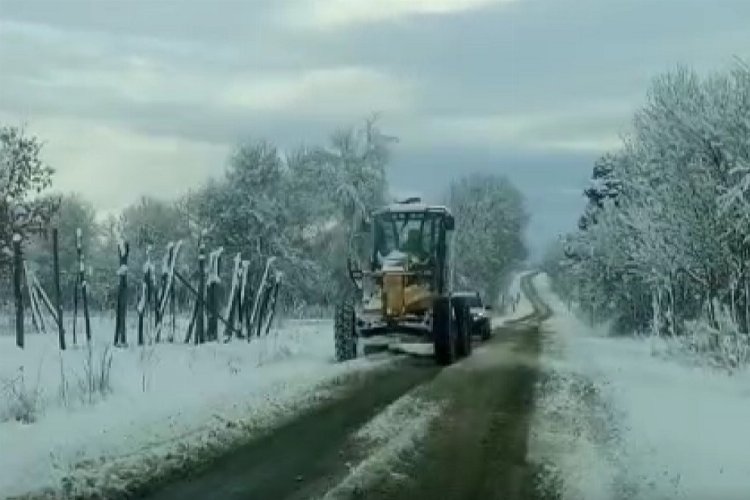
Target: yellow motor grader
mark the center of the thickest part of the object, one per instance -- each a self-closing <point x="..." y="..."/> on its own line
<point x="403" y="293"/>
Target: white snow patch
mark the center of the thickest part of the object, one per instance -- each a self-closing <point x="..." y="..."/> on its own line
<point x="392" y="433"/>
<point x="164" y="402"/>
<point x="619" y="422"/>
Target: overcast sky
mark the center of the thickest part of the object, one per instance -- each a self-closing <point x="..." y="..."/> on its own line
<point x="149" y="96"/>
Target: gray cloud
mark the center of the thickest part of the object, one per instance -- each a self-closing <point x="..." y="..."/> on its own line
<point x="535" y="89"/>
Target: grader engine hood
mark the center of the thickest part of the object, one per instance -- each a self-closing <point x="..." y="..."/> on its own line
<point x="402" y="293"/>
<point x="400" y="298"/>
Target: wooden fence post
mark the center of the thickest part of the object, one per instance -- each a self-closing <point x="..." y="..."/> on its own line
<point x="58" y="294"/>
<point x="211" y="305"/>
<point x="82" y="283"/>
<point x="161" y="293"/>
<point x="200" y="327"/>
<point x="146" y="294"/>
<point x="214" y="265"/>
<point x="242" y="305"/>
<point x="274" y="302"/>
<point x="263" y="307"/>
<point x="36" y="313"/>
<point x="172" y="311"/>
<point x="145" y="300"/>
<point x="121" y="339"/>
<point x="231" y="310"/>
<point x="254" y="313"/>
<point x="17" y="288"/>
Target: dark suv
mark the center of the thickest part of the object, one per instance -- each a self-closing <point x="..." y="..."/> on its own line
<point x="480" y="317"/>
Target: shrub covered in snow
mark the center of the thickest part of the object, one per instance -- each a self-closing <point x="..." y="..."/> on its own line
<point x="20" y="398"/>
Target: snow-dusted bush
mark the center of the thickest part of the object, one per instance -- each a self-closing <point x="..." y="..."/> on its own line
<point x="20" y="401"/>
<point x="724" y="345"/>
<point x="94" y="382"/>
<point x="488" y="240"/>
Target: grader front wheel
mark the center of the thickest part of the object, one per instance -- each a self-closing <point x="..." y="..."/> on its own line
<point x="344" y="331"/>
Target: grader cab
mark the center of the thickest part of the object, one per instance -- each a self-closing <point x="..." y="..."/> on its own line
<point x="403" y="292"/>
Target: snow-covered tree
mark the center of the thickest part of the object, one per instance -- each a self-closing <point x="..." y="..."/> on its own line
<point x="23" y="177"/>
<point x="299" y="206"/>
<point x="664" y="238"/>
<point x="488" y="240"/>
<point x="74" y="213"/>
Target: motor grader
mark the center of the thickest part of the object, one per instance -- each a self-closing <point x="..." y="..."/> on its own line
<point x="403" y="293"/>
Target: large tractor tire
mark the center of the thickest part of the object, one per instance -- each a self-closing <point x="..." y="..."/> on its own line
<point x="443" y="331"/>
<point x="463" y="329"/>
<point x="345" y="332"/>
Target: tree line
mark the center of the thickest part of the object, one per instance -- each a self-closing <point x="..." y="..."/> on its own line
<point x="295" y="206"/>
<point x="663" y="245"/>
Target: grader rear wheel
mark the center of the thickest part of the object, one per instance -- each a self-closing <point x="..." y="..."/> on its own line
<point x="463" y="329"/>
<point x="443" y="332"/>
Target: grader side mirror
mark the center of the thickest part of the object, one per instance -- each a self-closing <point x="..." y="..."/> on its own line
<point x="450" y="223"/>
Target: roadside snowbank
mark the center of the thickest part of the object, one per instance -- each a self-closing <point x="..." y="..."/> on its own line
<point x="614" y="421"/>
<point x="162" y="403"/>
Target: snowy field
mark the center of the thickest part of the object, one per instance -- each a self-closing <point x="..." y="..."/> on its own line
<point x="616" y="419"/>
<point x="83" y="420"/>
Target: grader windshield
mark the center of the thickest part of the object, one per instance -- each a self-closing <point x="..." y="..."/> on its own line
<point x="409" y="233"/>
<point x="416" y="236"/>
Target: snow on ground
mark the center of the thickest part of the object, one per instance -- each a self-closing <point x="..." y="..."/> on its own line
<point x="162" y="403"/>
<point x="615" y="421"/>
<point x="520" y="308"/>
<point x="389" y="435"/>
